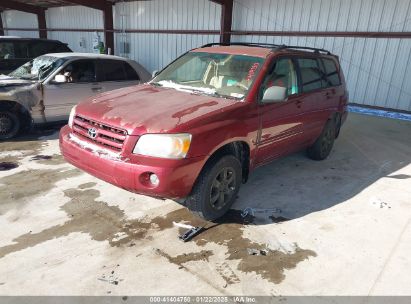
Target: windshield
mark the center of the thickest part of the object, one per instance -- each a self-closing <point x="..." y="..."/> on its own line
<point x="38" y="68"/>
<point x="225" y="75"/>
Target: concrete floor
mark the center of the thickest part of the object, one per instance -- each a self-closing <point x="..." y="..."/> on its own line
<point x="337" y="227"/>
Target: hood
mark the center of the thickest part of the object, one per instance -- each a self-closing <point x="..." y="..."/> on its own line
<point x="7" y="82"/>
<point x="148" y="109"/>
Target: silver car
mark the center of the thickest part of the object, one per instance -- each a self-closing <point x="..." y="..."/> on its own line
<point x="45" y="89"/>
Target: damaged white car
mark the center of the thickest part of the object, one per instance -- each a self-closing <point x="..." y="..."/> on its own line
<point x="45" y="89"/>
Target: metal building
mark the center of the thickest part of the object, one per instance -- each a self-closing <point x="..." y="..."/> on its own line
<point x="371" y="37"/>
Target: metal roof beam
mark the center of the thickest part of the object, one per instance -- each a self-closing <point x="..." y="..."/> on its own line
<point x="107" y="8"/>
<point x="23" y="7"/>
<point x="96" y="4"/>
<point x="28" y="8"/>
<point x="226" y="19"/>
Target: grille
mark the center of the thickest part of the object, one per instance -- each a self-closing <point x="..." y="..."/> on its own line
<point x="106" y="136"/>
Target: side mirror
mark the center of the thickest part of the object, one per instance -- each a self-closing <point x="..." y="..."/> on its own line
<point x="155" y="73"/>
<point x="274" y="94"/>
<point x="60" y="79"/>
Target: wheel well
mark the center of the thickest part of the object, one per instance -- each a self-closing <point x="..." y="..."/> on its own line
<point x="240" y="150"/>
<point x="22" y="113"/>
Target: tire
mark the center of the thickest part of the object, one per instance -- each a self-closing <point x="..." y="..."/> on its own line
<point x="324" y="143"/>
<point x="9" y="125"/>
<point x="216" y="188"/>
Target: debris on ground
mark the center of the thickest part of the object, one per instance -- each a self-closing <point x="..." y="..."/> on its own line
<point x="250" y="212"/>
<point x="252" y="251"/>
<point x="190" y="233"/>
<point x="111" y="278"/>
<point x="379" y="203"/>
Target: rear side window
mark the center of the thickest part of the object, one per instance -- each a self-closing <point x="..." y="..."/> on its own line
<point x="130" y="72"/>
<point x="331" y="73"/>
<point x="111" y="70"/>
<point x="312" y="76"/>
<point x="13" y="50"/>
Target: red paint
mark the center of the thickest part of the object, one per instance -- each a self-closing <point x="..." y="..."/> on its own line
<point x="270" y="130"/>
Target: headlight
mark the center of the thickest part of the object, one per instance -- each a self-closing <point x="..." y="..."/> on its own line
<point x="163" y="145"/>
<point x="71" y="117"/>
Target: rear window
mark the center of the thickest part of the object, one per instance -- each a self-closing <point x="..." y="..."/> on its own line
<point x="331" y="72"/>
<point x="312" y="77"/>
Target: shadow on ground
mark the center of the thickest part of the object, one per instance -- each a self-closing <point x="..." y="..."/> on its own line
<point x="368" y="149"/>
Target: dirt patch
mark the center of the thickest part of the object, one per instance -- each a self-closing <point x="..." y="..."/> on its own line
<point x="181" y="259"/>
<point x="227" y="273"/>
<point x="108" y="223"/>
<point x="12" y="151"/>
<point x="31" y="183"/>
<point x="87" y="185"/>
<point x="5" y="166"/>
<point x="55" y="159"/>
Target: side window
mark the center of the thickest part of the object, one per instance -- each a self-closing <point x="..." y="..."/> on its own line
<point x="130" y="72"/>
<point x="40" y="48"/>
<point x="283" y="75"/>
<point x="80" y="71"/>
<point x="312" y="77"/>
<point x="111" y="70"/>
<point x="331" y="73"/>
<point x="7" y="50"/>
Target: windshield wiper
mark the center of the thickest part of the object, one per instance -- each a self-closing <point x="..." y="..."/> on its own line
<point x="156" y="84"/>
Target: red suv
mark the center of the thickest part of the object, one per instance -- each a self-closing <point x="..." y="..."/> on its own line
<point x="196" y="131"/>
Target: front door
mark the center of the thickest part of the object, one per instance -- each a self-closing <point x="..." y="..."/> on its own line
<point x="281" y="123"/>
<point x="81" y="83"/>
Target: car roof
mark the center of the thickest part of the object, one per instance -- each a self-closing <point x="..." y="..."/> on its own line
<point x="261" y="51"/>
<point x="236" y="50"/>
<point x="85" y="55"/>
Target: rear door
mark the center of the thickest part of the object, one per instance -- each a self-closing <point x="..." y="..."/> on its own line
<point x="315" y="96"/>
<point x="282" y="122"/>
<point x="81" y="83"/>
<point x="13" y="54"/>
<point x="115" y="74"/>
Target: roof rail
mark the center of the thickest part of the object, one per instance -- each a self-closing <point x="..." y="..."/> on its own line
<point x="265" y="45"/>
<point x="316" y="50"/>
<point x="270" y="45"/>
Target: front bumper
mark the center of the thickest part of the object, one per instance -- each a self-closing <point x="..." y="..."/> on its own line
<point x="130" y="173"/>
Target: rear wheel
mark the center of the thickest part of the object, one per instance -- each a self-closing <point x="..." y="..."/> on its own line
<point x="9" y="125"/>
<point x="216" y="188"/>
<point x="323" y="145"/>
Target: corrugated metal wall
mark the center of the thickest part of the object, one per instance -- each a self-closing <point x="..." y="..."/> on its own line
<point x="154" y="51"/>
<point x="378" y="71"/>
<point x="16" y="19"/>
<point x="77" y="17"/>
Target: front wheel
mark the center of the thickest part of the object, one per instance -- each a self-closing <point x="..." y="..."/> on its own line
<point x="9" y="125"/>
<point x="216" y="188"/>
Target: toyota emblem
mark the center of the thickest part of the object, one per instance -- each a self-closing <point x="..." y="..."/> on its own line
<point x="92" y="133"/>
